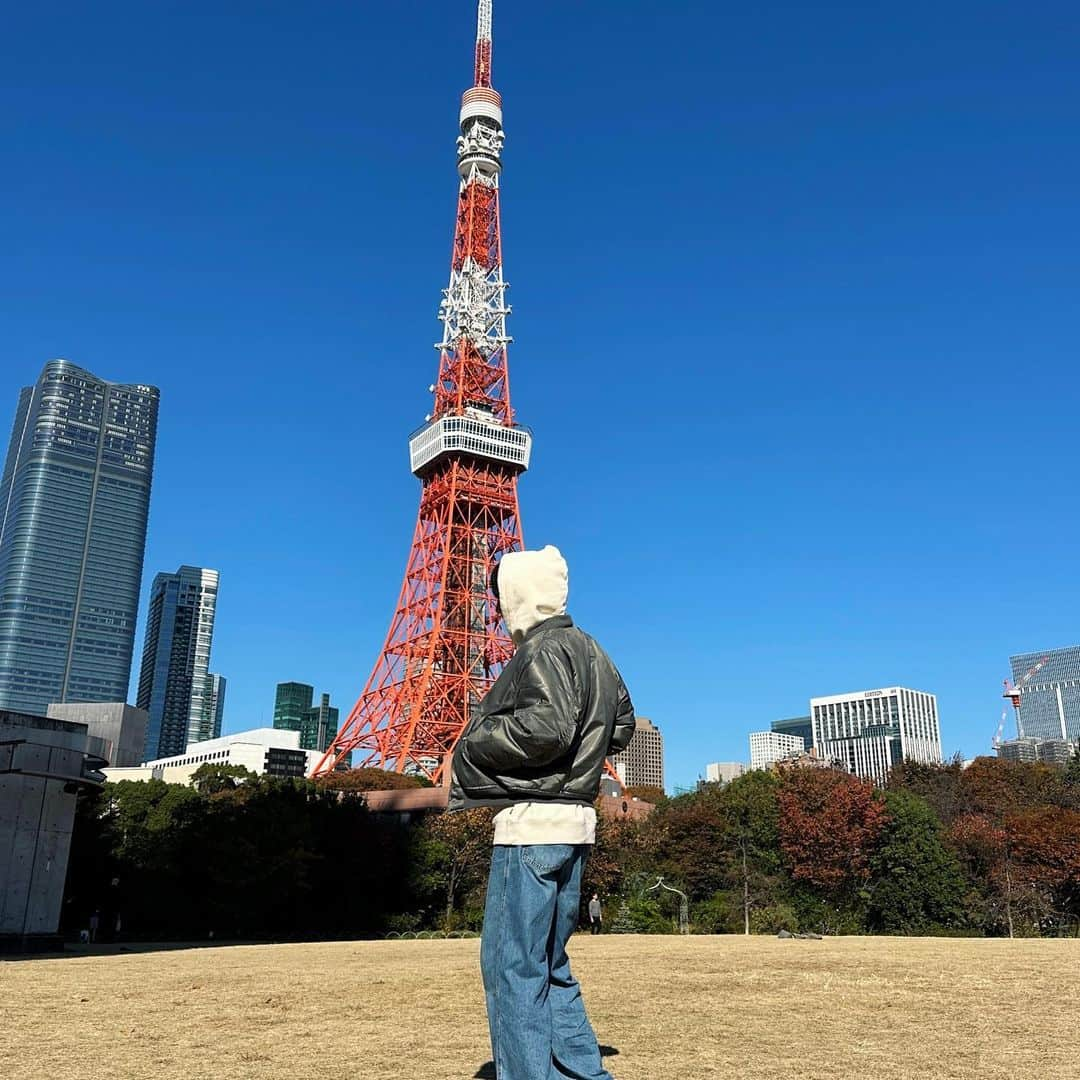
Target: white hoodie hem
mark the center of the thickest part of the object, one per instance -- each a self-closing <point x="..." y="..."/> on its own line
<point x="545" y="823"/>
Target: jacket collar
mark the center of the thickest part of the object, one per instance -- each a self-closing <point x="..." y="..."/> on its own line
<point x="556" y="622"/>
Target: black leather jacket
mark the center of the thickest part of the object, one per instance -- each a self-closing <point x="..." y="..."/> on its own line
<point x="558" y="709"/>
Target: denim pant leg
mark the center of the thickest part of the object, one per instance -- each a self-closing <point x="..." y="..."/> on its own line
<point x="573" y="1041"/>
<point x="519" y="923"/>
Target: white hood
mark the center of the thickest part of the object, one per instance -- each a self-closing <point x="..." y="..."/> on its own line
<point x="533" y="586"/>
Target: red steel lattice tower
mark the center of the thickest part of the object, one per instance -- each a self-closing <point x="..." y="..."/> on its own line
<point x="446" y="643"/>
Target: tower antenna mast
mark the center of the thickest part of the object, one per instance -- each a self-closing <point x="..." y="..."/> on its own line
<point x="483" y="44"/>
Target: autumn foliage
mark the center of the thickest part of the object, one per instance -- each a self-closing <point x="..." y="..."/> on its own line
<point x="829" y="826"/>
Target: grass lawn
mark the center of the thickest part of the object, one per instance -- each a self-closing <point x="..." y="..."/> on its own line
<point x="664" y="1008"/>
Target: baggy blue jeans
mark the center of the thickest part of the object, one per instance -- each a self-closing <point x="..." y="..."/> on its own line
<point x="539" y="1030"/>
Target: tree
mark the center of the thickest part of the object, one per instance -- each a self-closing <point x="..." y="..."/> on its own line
<point x="459" y="852"/>
<point x="916" y="881"/>
<point x="646" y="793"/>
<point x="210" y="778"/>
<point x="1072" y="770"/>
<point x="830" y="822"/>
<point x="939" y="785"/>
<point x="368" y="780"/>
<point x="749" y="813"/>
<point x="1045" y="844"/>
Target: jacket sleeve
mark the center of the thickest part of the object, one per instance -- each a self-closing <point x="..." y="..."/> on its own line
<point x="540" y="725"/>
<point x="623" y="731"/>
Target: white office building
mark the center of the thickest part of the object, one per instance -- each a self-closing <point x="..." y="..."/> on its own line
<point x="265" y="751"/>
<point x="723" y="772"/>
<point x="870" y="731"/>
<point x="769" y="747"/>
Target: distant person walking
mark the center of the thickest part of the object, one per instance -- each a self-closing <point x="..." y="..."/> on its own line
<point x="536" y="747"/>
<point x="596" y="914"/>
<point x="95" y="922"/>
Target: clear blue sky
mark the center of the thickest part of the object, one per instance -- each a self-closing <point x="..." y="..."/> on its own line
<point x="795" y="304"/>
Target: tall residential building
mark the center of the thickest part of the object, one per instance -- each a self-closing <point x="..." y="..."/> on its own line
<point x="797" y="725"/>
<point x="769" y="747"/>
<point x="74" y="496"/>
<point x="1050" y="702"/>
<point x="175" y="686"/>
<point x="870" y="731"/>
<point x="641" y="764"/>
<point x="217" y="704"/>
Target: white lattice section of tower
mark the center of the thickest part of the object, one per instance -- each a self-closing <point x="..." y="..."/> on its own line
<point x="474" y="308"/>
<point x="483" y="21"/>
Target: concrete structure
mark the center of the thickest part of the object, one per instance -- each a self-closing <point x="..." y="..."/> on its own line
<point x="265" y="751"/>
<point x="74" y="495"/>
<point x="723" y="772"/>
<point x="115" y="730"/>
<point x="294" y="710"/>
<point x="768" y="747"/>
<point x="1050" y="702"/>
<point x="870" y="731"/>
<point x="1048" y="751"/>
<point x="43" y="764"/>
<point x="641" y="764"/>
<point x="797" y="725"/>
<point x="175" y="685"/>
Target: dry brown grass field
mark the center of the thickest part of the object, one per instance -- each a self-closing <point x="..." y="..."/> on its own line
<point x="664" y="1009"/>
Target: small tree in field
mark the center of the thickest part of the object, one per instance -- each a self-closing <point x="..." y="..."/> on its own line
<point x="459" y="851"/>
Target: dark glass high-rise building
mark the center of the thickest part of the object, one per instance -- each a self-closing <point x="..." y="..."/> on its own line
<point x="74" y="497"/>
<point x="294" y="710"/>
<point x="1050" y="699"/>
<point x="175" y="685"/>
<point x="319" y="726"/>
<point x="291" y="701"/>
<point x="217" y="704"/>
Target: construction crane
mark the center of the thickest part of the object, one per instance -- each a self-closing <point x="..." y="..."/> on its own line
<point x="996" y="741"/>
<point x="1012" y="693"/>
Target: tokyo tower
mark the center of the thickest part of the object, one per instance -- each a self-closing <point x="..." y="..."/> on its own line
<point x="446" y="643"/>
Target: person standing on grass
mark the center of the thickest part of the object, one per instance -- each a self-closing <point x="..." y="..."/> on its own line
<point x="536" y="747"/>
<point x="596" y="914"/>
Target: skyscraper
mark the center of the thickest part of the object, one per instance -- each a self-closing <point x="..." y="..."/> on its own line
<point x="217" y="704"/>
<point x="291" y="701"/>
<point x="175" y="686"/>
<point x="870" y="731"/>
<point x="641" y="764"/>
<point x="320" y="725"/>
<point x="1050" y="701"/>
<point x="74" y="497"/>
<point x="294" y="710"/>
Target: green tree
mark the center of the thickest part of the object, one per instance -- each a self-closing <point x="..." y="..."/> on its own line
<point x="458" y="852"/>
<point x="749" y="814"/>
<point x="1072" y="770"/>
<point x="210" y="778"/>
<point x="916" y="884"/>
